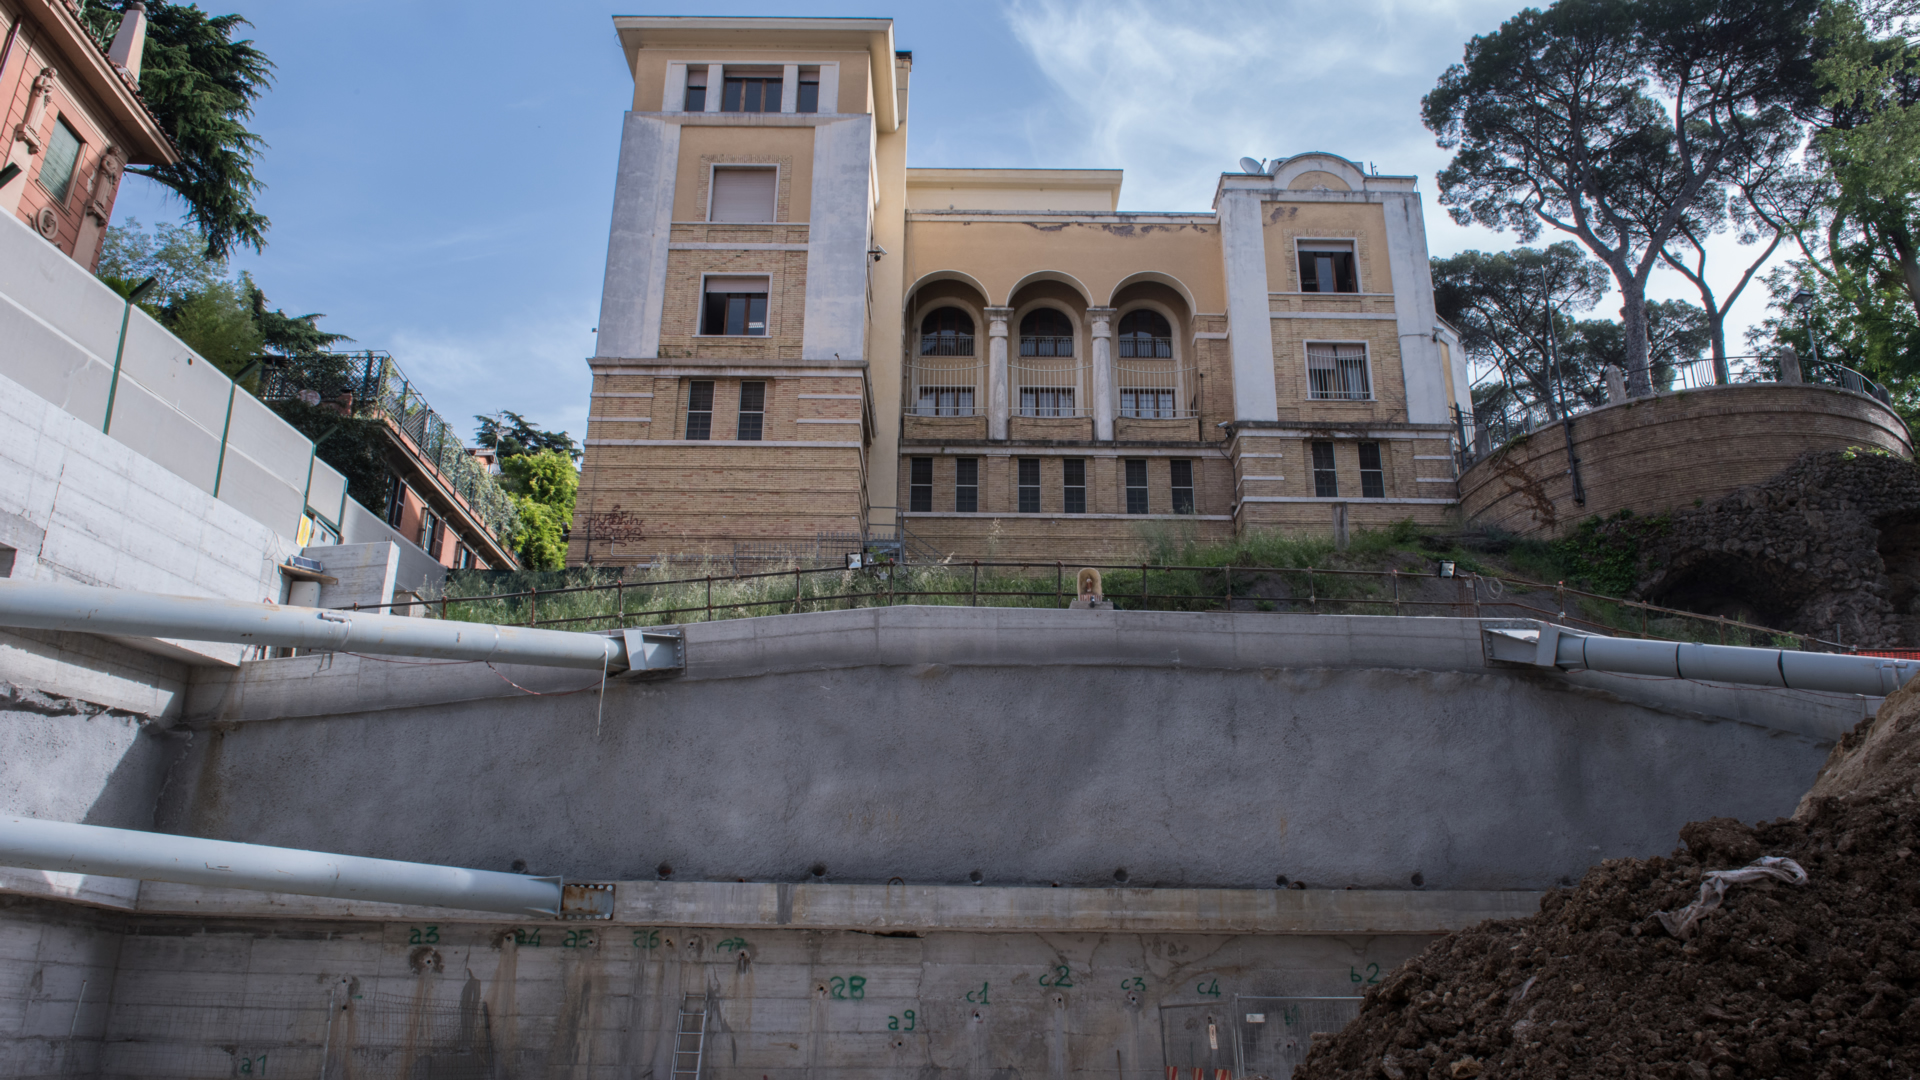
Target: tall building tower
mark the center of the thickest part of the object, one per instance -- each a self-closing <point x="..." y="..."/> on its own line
<point x="804" y="343"/>
<point x="752" y="269"/>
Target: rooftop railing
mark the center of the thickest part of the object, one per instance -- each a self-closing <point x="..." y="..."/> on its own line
<point x="370" y="382"/>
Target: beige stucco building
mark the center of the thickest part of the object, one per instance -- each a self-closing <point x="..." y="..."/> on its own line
<point x="802" y="339"/>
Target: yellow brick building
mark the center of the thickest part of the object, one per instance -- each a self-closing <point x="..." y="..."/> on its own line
<point x="803" y="342"/>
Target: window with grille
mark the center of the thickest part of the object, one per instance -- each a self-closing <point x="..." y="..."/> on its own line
<point x="753" y="411"/>
<point x="1337" y="373"/>
<point x="696" y="89"/>
<point x="1046" y="401"/>
<point x="1182" y="486"/>
<point x="735" y="306"/>
<point x="920" y="486"/>
<point x="946" y="332"/>
<point x="1373" y="478"/>
<point x="1074" y="485"/>
<point x="700" y="410"/>
<point x="944" y="401"/>
<point x="1326" y="483"/>
<point x="966" y="485"/>
<point x="754" y="94"/>
<point x="1146" y="335"/>
<point x="1046" y="332"/>
<point x="63" y="156"/>
<point x="1136" y="485"/>
<point x="809" y="96"/>
<point x="1327" y="267"/>
<point x="1147" y="404"/>
<point x="743" y="194"/>
<point x="1029" y="485"/>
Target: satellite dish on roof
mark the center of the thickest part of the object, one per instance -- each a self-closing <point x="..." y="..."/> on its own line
<point x="1250" y="166"/>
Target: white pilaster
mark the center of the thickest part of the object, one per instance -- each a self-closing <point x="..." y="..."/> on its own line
<point x="1101" y="320"/>
<point x="673" y="96"/>
<point x="790" y="88"/>
<point x="634" y="290"/>
<point x="1243" y="247"/>
<point x="716" y="85"/>
<point x="997" y="371"/>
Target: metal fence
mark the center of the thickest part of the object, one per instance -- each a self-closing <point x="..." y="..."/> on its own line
<point x="370" y="384"/>
<point x="1488" y="428"/>
<point x="1128" y="586"/>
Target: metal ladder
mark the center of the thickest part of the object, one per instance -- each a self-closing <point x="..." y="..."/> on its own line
<point x="690" y="1040"/>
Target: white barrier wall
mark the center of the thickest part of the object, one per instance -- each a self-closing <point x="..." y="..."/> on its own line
<point x="59" y="330"/>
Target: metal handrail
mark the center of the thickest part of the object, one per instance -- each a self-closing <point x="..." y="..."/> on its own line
<point x="946" y="345"/>
<point x="1060" y="345"/>
<point x="1485" y="593"/>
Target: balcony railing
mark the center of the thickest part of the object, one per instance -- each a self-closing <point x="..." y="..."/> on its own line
<point x="946" y="344"/>
<point x="1046" y="345"/>
<point x="1154" y="389"/>
<point x="364" y="382"/>
<point x="941" y="385"/>
<point x="1143" y="347"/>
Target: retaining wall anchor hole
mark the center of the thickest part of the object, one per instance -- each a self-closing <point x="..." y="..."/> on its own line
<point x="1120" y="875"/>
<point x="818" y="870"/>
<point x="1281" y="881"/>
<point x="1419" y="879"/>
<point x="665" y="870"/>
<point x="519" y="866"/>
<point x="976" y="877"/>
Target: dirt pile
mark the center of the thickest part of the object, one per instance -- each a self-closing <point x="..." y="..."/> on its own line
<point x="1820" y="980"/>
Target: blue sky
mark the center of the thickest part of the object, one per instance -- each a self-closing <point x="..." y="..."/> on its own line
<point x="440" y="176"/>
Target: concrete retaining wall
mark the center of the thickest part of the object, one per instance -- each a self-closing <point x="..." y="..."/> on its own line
<point x="941" y="745"/>
<point x="1668" y="451"/>
<point x="62" y="325"/>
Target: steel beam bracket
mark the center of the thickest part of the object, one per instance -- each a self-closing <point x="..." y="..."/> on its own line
<point x="654" y="652"/>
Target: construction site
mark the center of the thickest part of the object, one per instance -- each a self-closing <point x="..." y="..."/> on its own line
<point x="291" y="786"/>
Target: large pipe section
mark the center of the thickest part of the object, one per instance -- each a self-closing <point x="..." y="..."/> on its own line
<point x="47" y="605"/>
<point x="1554" y="646"/>
<point x="63" y="847"/>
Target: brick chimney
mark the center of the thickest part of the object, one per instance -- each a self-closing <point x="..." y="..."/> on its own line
<point x="130" y="39"/>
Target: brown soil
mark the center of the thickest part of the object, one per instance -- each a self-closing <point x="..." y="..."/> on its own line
<point x="1815" y="981"/>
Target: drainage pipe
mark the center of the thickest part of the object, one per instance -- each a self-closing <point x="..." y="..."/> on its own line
<point x="47" y="605"/>
<point x="63" y="847"/>
<point x="1554" y="646"/>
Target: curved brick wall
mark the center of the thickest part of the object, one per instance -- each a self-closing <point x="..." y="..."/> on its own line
<point x="1665" y="452"/>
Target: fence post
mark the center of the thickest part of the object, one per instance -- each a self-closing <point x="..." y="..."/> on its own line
<point x="1143" y="587"/>
<point x="796" y="588"/>
<point x="1230" y="588"/>
<point x="1560" y="598"/>
<point x="1059" y="582"/>
<point x="709" y="597"/>
<point x="1723" y="629"/>
<point x="974" y="600"/>
<point x="1313" y="601"/>
<point x="1643" y="620"/>
<point x="1396" y="582"/>
<point x="620" y="599"/>
<point x="533" y="605"/>
<point x="1476" y="596"/>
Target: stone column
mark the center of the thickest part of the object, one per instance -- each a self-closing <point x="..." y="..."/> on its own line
<point x="1101" y="321"/>
<point x="997" y="373"/>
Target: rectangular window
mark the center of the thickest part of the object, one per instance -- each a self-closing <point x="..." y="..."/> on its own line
<point x="735" y="306"/>
<point x="966" y="485"/>
<point x="700" y="410"/>
<point x="743" y="194"/>
<point x="1373" y="478"/>
<point x="920" y="486"/>
<point x="1029" y="485"/>
<point x="1147" y="404"/>
<point x="1136" y="485"/>
<point x="696" y="89"/>
<point x="396" y="501"/>
<point x="1074" y="486"/>
<point x="1326" y="267"/>
<point x="429" y="532"/>
<point x="1046" y="401"/>
<point x="809" y="97"/>
<point x="753" y="411"/>
<point x="944" y="401"/>
<point x="1326" y="483"/>
<point x="63" y="156"/>
<point x="1182" y="486"/>
<point x="462" y="558"/>
<point x="1337" y="373"/>
<point x="756" y="94"/>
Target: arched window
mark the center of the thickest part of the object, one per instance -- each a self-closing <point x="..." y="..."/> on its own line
<point x="1145" y="334"/>
<point x="946" y="332"/>
<point x="1046" y="332"/>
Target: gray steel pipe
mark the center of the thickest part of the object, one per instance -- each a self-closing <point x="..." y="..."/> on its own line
<point x="1834" y="672"/>
<point x="60" y="846"/>
<point x="47" y="605"/>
